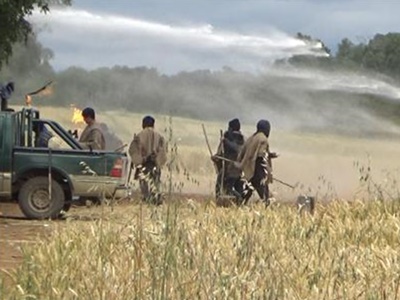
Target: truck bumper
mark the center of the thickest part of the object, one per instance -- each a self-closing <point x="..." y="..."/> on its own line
<point x="94" y="186"/>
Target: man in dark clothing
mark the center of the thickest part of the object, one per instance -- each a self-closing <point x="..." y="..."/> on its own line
<point x="255" y="161"/>
<point x="228" y="178"/>
<point x="148" y="153"/>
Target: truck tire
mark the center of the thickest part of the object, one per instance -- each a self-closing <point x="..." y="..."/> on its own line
<point x="33" y="198"/>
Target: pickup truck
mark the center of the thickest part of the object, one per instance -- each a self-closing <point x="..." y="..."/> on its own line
<point x="46" y="179"/>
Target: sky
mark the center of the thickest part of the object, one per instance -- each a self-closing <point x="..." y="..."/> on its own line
<point x="183" y="35"/>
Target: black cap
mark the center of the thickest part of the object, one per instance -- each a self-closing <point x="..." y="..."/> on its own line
<point x="148" y="121"/>
<point x="234" y="124"/>
<point x="264" y="126"/>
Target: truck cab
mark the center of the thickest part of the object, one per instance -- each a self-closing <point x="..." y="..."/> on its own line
<point x="46" y="177"/>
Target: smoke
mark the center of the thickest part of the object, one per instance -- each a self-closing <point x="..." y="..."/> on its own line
<point x="343" y="81"/>
<point x="93" y="40"/>
<point x="328" y="101"/>
<point x="290" y="98"/>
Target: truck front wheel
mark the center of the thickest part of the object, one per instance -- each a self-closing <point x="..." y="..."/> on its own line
<point x="34" y="199"/>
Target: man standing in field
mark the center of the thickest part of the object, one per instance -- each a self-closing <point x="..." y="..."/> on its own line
<point x="255" y="161"/>
<point x="228" y="178"/>
<point x="148" y="154"/>
<point x="92" y="136"/>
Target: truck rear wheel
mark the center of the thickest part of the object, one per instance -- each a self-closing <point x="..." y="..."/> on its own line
<point x="34" y="199"/>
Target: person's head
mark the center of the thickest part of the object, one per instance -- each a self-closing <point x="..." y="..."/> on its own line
<point x="264" y="126"/>
<point x="234" y="125"/>
<point x="148" y="121"/>
<point x="88" y="115"/>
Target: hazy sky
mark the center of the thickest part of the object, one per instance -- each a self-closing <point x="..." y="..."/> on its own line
<point x="184" y="35"/>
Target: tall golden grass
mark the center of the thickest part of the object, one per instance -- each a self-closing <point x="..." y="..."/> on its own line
<point x="198" y="251"/>
<point x="314" y="160"/>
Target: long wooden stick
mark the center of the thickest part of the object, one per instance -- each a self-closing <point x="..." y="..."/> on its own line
<point x="208" y="146"/>
<point x="276" y="179"/>
<point x="284" y="183"/>
<point x="207" y="142"/>
<point x="40" y="89"/>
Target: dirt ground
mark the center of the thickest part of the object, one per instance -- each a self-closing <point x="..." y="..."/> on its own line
<point x="16" y="230"/>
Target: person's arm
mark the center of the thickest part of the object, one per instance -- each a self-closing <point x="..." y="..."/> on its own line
<point x="231" y="145"/>
<point x="134" y="151"/>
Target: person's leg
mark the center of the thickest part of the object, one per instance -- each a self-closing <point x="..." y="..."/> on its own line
<point x="142" y="175"/>
<point x="245" y="188"/>
<point x="218" y="186"/>
<point x="155" y="184"/>
<point x="150" y="183"/>
<point x="229" y="184"/>
<point x="259" y="180"/>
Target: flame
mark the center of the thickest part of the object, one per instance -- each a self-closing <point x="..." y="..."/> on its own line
<point x="77" y="116"/>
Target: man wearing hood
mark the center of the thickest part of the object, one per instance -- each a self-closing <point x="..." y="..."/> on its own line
<point x="228" y="174"/>
<point x="255" y="161"/>
<point x="148" y="154"/>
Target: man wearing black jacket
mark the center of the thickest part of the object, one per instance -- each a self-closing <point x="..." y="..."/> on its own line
<point x="228" y="178"/>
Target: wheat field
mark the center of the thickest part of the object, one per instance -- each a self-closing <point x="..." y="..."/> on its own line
<point x="324" y="165"/>
<point x="196" y="250"/>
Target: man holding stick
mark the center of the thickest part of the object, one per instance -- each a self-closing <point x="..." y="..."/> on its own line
<point x="228" y="178"/>
<point x="255" y="162"/>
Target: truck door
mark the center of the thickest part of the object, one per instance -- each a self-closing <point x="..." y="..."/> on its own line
<point x="1" y="153"/>
<point x="5" y="156"/>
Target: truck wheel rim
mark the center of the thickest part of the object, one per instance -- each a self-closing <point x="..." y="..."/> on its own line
<point x="40" y="199"/>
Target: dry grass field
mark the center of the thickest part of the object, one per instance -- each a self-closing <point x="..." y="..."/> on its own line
<point x="190" y="249"/>
<point x="326" y="166"/>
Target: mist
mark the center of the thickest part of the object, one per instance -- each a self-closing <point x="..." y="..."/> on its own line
<point x="334" y="101"/>
<point x="212" y="73"/>
<point x="81" y="38"/>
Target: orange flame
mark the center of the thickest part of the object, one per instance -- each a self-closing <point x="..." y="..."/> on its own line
<point x="77" y="116"/>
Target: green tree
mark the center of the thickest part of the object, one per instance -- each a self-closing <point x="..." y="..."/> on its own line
<point x="351" y="55"/>
<point x="383" y="54"/>
<point x="13" y="24"/>
<point x="28" y="66"/>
